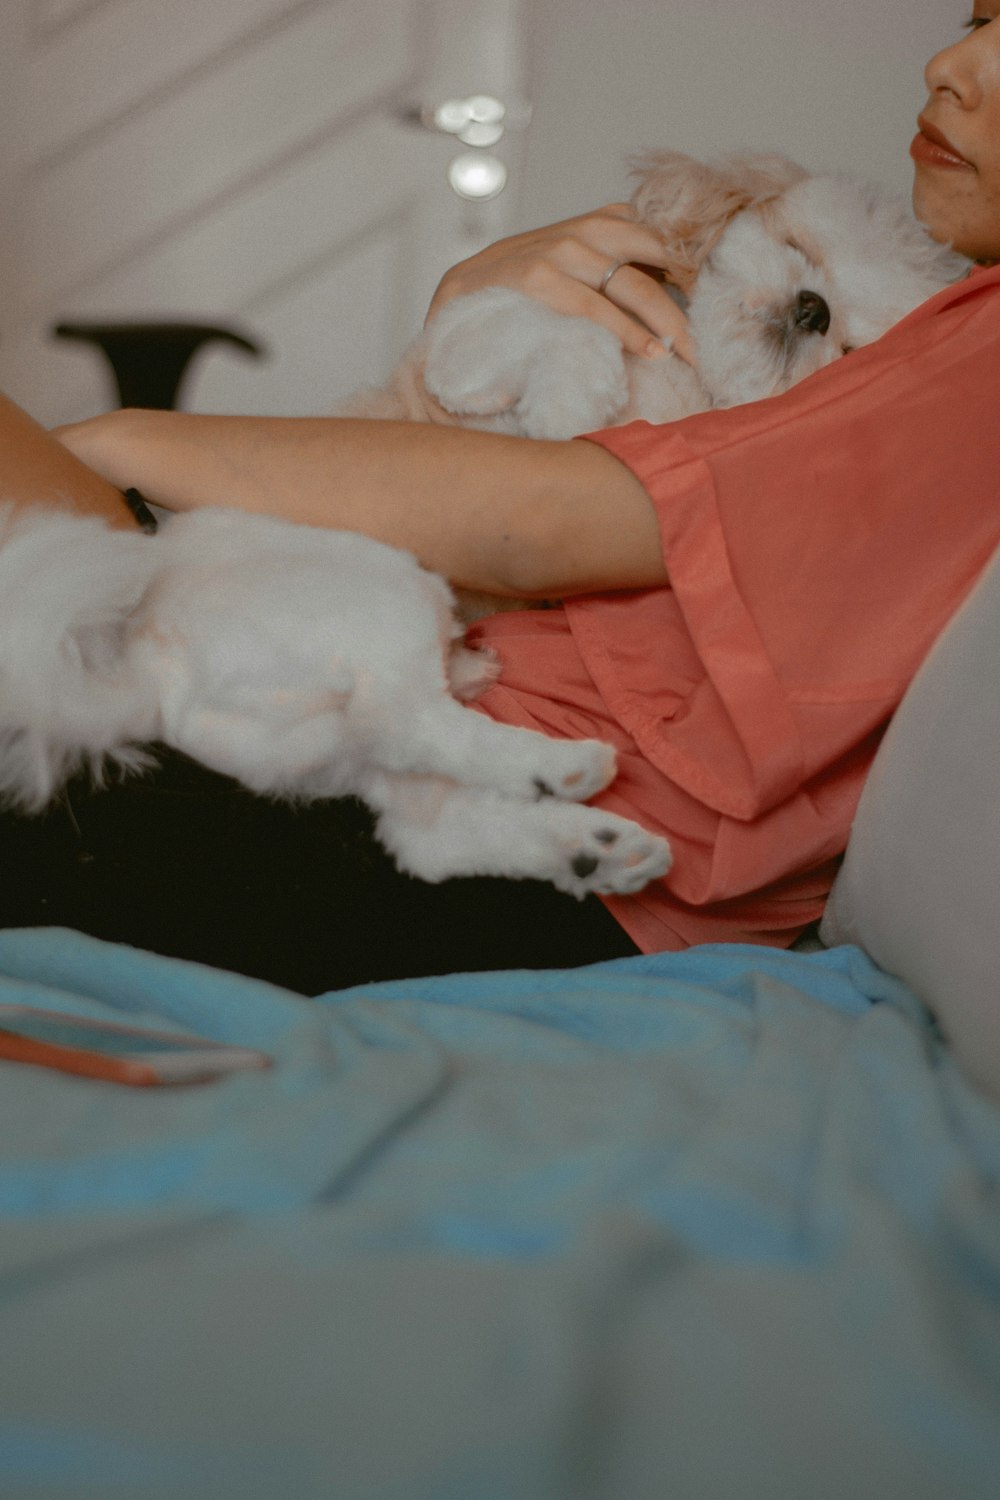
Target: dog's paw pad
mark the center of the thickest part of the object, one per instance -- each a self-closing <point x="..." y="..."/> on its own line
<point x="580" y="768"/>
<point x="567" y="770"/>
<point x="612" y="859"/>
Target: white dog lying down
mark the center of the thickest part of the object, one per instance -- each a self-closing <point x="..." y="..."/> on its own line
<point x="783" y="272"/>
<point x="306" y="664"/>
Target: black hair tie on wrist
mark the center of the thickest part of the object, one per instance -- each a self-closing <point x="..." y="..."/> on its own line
<point x="143" y="515"/>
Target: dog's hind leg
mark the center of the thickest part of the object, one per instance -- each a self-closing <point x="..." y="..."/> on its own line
<point x="435" y="830"/>
<point x="441" y="737"/>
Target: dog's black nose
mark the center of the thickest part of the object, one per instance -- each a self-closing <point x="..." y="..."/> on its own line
<point x="812" y="313"/>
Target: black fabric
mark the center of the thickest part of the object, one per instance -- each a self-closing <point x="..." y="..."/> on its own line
<point x="186" y="863"/>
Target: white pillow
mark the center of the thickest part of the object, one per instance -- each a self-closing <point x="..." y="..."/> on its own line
<point x="920" y="885"/>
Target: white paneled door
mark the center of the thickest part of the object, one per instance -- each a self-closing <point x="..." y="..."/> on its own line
<point x="271" y="164"/>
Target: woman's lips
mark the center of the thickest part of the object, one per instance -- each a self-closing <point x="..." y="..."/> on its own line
<point x="932" y="149"/>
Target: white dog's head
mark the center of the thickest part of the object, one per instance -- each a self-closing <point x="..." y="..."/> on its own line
<point x="784" y="272"/>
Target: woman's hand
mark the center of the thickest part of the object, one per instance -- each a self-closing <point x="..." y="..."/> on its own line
<point x="564" y="264"/>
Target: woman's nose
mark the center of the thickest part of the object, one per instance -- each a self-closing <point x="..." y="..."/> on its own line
<point x="953" y="71"/>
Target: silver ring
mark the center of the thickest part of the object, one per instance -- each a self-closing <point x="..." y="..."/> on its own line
<point x="603" y="288"/>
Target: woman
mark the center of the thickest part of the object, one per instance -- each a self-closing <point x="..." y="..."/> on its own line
<point x="747" y="594"/>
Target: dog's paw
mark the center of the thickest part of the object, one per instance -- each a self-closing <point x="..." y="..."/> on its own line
<point x="595" y="852"/>
<point x="436" y="830"/>
<point x="569" y="770"/>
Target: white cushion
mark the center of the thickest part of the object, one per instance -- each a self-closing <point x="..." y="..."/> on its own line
<point x="920" y="885"/>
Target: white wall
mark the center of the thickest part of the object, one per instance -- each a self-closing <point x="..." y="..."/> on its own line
<point x="250" y="162"/>
<point x="837" y="84"/>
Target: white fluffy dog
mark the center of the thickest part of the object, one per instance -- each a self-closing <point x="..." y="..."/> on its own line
<point x="782" y="272"/>
<point x="306" y="664"/>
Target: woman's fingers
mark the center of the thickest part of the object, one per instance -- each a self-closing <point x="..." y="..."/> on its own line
<point x="632" y="303"/>
<point x="647" y="301"/>
<point x="565" y="266"/>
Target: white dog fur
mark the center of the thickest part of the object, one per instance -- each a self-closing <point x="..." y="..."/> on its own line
<point x="782" y="273"/>
<point x="306" y="664"/>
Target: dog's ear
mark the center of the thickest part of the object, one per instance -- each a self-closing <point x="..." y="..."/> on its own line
<point x="689" y="203"/>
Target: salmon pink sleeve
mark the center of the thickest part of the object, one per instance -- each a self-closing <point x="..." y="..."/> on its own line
<point x="815" y="543"/>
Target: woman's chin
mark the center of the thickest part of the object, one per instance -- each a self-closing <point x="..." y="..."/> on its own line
<point x="953" y="220"/>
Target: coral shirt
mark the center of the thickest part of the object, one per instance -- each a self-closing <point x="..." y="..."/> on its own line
<point x="816" y="544"/>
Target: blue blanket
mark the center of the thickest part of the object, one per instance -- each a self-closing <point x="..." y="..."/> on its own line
<point x="719" y="1224"/>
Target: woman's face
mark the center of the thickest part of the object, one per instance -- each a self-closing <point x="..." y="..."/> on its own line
<point x="956" y="191"/>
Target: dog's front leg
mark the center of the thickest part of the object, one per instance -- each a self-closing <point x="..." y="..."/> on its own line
<point x="522" y="368"/>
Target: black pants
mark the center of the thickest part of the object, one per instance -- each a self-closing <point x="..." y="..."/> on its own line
<point x="187" y="863"/>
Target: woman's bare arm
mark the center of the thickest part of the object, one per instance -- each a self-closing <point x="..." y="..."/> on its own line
<point x="506" y="515"/>
<point x="497" y="514"/>
<point x="36" y="470"/>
